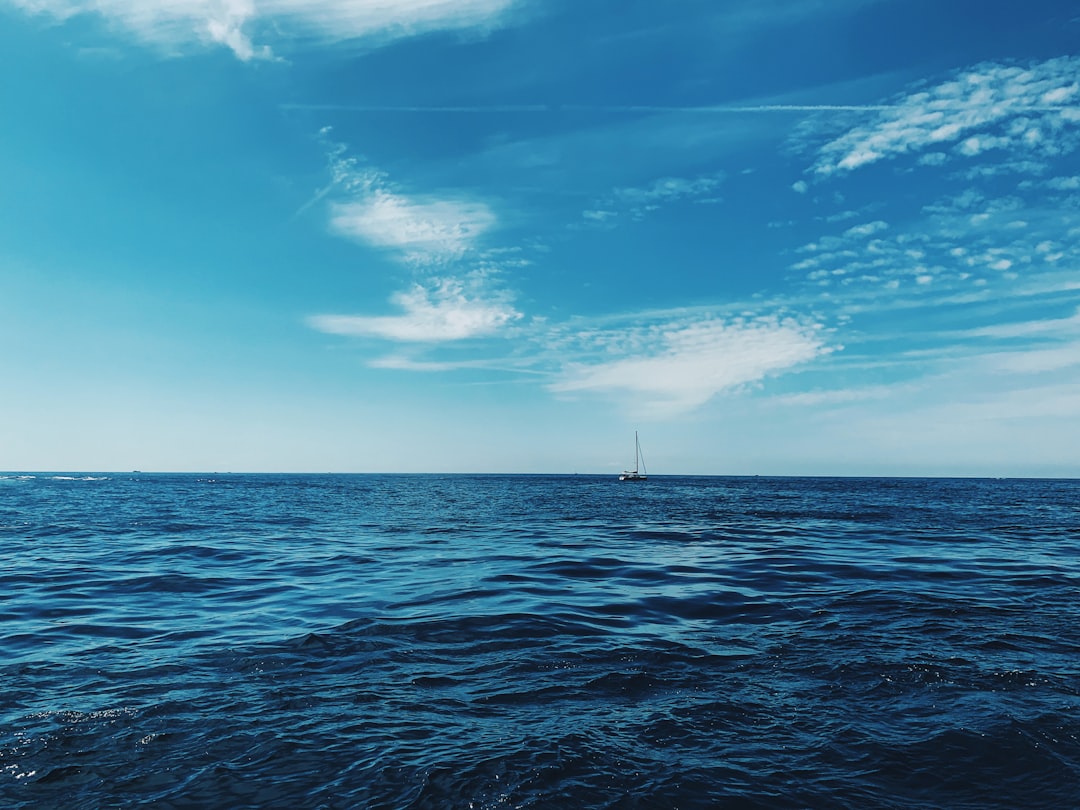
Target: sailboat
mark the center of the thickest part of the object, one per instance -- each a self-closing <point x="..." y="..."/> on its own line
<point x="639" y="464"/>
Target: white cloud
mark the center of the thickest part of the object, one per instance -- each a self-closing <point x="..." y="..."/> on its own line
<point x="1037" y="361"/>
<point x="993" y="106"/>
<point x="1064" y="183"/>
<point x="456" y="294"/>
<point x="422" y="229"/>
<point x="669" y="188"/>
<point x="398" y="362"/>
<point x="868" y="229"/>
<point x="236" y="23"/>
<point x="977" y="144"/>
<point x="443" y="312"/>
<point x="839" y="396"/>
<point x="678" y="367"/>
<point x="966" y="244"/>
<point x="1042" y="327"/>
<point x="1031" y="403"/>
<point x="598" y="215"/>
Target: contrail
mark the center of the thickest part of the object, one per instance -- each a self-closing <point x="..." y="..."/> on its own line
<point x="318" y="196"/>
<point x="601" y="108"/>
<point x="706" y="109"/>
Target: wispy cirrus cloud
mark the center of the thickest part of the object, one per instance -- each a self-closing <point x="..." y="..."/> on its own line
<point x="675" y="367"/>
<point x="966" y="241"/>
<point x="421" y="229"/>
<point x="638" y="201"/>
<point x="442" y="311"/>
<point x="669" y="189"/>
<point x="238" y="24"/>
<point x="993" y="283"/>
<point x="418" y="228"/>
<point x="454" y="294"/>
<point x="1033" y="109"/>
<point x="840" y="396"/>
<point x="1037" y="360"/>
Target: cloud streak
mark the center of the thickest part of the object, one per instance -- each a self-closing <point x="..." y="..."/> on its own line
<point x="453" y="296"/>
<point x="421" y="229"/>
<point x="237" y="24"/>
<point x="678" y="367"/>
<point x="442" y="312"/>
<point x="638" y="201"/>
<point x="719" y="109"/>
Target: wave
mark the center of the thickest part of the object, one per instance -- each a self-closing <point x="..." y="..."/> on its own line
<point x="370" y="641"/>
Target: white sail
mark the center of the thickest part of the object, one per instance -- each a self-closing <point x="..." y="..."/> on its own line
<point x="639" y="473"/>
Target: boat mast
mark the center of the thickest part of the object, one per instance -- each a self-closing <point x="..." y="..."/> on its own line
<point x="639" y="459"/>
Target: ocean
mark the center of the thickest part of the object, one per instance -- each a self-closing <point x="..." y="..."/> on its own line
<point x="502" y="641"/>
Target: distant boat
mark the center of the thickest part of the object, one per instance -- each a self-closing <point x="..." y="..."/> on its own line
<point x="639" y="464"/>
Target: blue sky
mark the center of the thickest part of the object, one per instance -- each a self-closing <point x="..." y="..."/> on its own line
<point x="835" y="237"/>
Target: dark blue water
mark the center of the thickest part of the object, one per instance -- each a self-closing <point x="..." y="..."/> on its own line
<point x="535" y="642"/>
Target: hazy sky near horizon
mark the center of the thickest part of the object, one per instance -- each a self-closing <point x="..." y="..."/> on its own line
<point x="783" y="237"/>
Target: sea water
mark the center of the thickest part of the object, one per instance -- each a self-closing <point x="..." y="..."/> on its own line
<point x="371" y="641"/>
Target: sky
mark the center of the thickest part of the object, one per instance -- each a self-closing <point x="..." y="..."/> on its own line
<point x="775" y="237"/>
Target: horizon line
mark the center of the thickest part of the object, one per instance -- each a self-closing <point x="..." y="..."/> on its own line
<point x="607" y="474"/>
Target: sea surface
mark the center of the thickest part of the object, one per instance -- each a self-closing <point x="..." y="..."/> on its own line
<point x="427" y="641"/>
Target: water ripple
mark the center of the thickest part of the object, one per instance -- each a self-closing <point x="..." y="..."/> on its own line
<point x="493" y="641"/>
